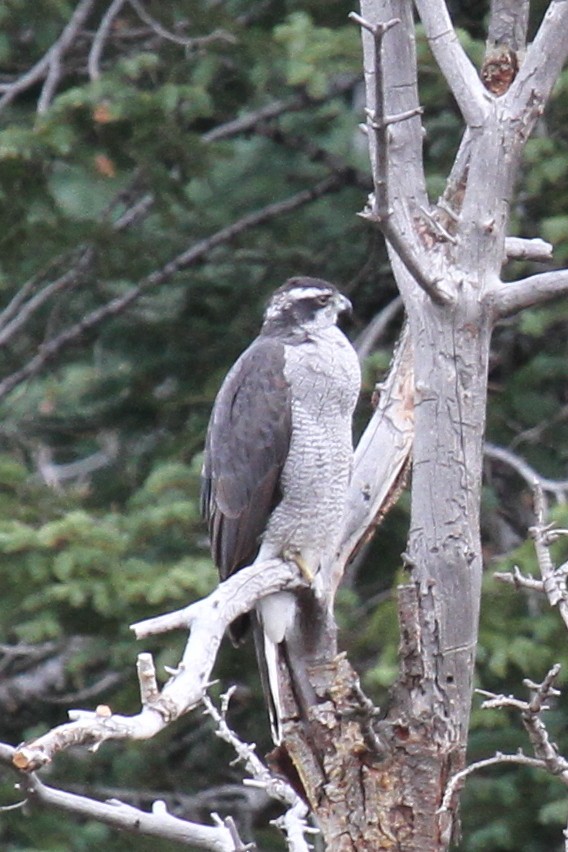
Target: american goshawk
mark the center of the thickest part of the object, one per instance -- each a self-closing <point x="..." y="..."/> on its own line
<point x="279" y="449"/>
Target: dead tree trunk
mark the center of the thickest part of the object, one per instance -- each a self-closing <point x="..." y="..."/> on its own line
<point x="447" y="260"/>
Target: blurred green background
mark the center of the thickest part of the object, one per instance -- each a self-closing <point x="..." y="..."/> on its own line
<point x="132" y="161"/>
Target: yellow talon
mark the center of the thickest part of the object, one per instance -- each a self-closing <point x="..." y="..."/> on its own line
<point x="305" y="570"/>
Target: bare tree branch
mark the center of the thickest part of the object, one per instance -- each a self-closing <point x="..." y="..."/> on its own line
<point x="69" y="279"/>
<point x="531" y="715"/>
<point x="53" y="475"/>
<point x="19" y="311"/>
<point x="553" y="578"/>
<point x="316" y="154"/>
<point x="508" y="22"/>
<point x="52" y="348"/>
<point x="507" y="299"/>
<point x="542" y="64"/>
<point x="207" y="620"/>
<point x="101" y="35"/>
<point x="546" y="752"/>
<point x="367" y="340"/>
<point x="159" y="823"/>
<point x="167" y="35"/>
<point x="293" y="823"/>
<point x="456" y="781"/>
<point x="558" y="487"/>
<point x="41" y="675"/>
<point x="534" y="433"/>
<point x="536" y="250"/>
<point x="381" y="456"/>
<point x="49" y="65"/>
<point x="460" y="74"/>
<point x="519" y="580"/>
<point x="249" y="121"/>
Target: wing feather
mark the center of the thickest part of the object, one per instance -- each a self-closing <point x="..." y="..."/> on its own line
<point x="247" y="444"/>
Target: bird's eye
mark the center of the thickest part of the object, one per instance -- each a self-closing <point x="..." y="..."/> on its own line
<point x="323" y="299"/>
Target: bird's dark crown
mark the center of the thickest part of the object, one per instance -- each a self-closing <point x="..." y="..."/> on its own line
<point x="303" y="305"/>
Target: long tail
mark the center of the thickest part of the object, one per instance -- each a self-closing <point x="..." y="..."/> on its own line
<point x="280" y="664"/>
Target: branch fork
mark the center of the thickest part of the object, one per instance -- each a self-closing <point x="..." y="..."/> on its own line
<point x="207" y="619"/>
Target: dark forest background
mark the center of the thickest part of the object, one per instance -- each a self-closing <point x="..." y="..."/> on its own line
<point x="152" y="195"/>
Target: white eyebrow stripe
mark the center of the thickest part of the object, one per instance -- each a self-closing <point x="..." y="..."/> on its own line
<point x="307" y="292"/>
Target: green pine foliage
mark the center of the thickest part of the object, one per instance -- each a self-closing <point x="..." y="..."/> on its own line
<point x="83" y="557"/>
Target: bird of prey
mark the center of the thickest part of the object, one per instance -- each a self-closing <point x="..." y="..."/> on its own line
<point x="279" y="449"/>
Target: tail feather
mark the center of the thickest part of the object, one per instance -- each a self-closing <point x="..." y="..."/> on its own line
<point x="277" y="660"/>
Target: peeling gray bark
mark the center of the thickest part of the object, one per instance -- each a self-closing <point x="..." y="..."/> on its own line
<point x="425" y="731"/>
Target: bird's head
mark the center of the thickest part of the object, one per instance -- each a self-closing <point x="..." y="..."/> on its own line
<point x="306" y="304"/>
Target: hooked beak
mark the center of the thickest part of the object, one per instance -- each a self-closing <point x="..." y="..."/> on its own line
<point x="343" y="304"/>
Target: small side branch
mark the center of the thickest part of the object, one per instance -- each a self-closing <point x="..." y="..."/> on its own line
<point x="554" y="579"/>
<point x="545" y="751"/>
<point x="293" y="822"/>
<point x="542" y="64"/>
<point x="207" y="620"/>
<point x="48" y="68"/>
<point x="159" y="823"/>
<point x="456" y="781"/>
<point x="535" y="250"/>
<point x="507" y="299"/>
<point x="69" y="336"/>
<point x="531" y="715"/>
<point x="557" y="487"/>
<point x="99" y="41"/>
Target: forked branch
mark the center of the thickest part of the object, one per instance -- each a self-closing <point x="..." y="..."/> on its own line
<point x="159" y="823"/>
<point x="207" y="621"/>
<point x="459" y="73"/>
<point x="546" y="755"/>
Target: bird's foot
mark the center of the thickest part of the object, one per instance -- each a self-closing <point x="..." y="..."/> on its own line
<point x="305" y="570"/>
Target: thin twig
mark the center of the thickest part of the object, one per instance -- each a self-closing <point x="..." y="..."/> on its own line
<point x="519" y="580"/>
<point x="101" y="35"/>
<point x="53" y="56"/>
<point x="249" y="121"/>
<point x="554" y="579"/>
<point x="69" y="279"/>
<point x="367" y="340"/>
<point x="316" y="153"/>
<point x="558" y="487"/>
<point x="19" y="311"/>
<point x="167" y="35"/>
<point x="546" y="752"/>
<point x="531" y="716"/>
<point x="158" y="824"/>
<point x="293" y="824"/>
<point x="456" y="780"/>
